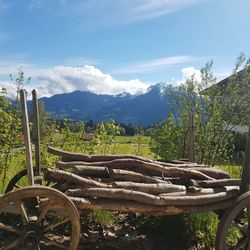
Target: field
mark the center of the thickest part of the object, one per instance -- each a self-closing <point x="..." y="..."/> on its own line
<point x="134" y="145"/>
<point x="130" y="145"/>
<point x="194" y="227"/>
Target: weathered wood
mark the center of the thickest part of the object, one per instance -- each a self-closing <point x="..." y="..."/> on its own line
<point x="27" y="142"/>
<point x="125" y="175"/>
<point x="70" y="156"/>
<point x="178" y="181"/>
<point x="116" y="174"/>
<point x="212" y="172"/>
<point x="149" y="188"/>
<point x="132" y="206"/>
<point x="87" y="169"/>
<point x="201" y="190"/>
<point x="63" y="176"/>
<point x="218" y="183"/>
<point x="116" y="193"/>
<point x="161" y="200"/>
<point x="144" y="167"/>
<point x="199" y="199"/>
<point x="36" y="132"/>
<point x="96" y="171"/>
<point x="123" y="206"/>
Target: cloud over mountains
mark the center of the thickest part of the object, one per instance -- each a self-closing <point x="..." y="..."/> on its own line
<point x="65" y="79"/>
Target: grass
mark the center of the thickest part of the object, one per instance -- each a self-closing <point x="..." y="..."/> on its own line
<point x="192" y="229"/>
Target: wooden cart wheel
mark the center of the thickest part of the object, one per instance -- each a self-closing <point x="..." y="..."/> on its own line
<point x="234" y="228"/>
<point x="38" y="218"/>
<point x="20" y="179"/>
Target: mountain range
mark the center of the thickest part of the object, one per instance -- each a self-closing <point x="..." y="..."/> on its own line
<point x="142" y="109"/>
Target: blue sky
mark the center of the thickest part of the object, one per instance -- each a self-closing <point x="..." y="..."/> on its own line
<point x="112" y="46"/>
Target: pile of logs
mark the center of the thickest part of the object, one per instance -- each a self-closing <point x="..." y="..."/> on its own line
<point x="132" y="183"/>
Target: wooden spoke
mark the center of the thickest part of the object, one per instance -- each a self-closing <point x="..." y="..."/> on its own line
<point x="23" y="212"/>
<point x="55" y="243"/>
<point x="60" y="222"/>
<point x="46" y="197"/>
<point x="10" y="229"/>
<point x="12" y="244"/>
<point x="236" y="216"/>
<point x="43" y="212"/>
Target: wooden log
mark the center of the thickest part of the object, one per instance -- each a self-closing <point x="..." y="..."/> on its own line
<point x="178" y="181"/>
<point x="149" y="188"/>
<point x="116" y="193"/>
<point x="144" y="167"/>
<point x="218" y="183"/>
<point x="125" y="175"/>
<point x="132" y="206"/>
<point x="87" y="169"/>
<point x="70" y="156"/>
<point x="212" y="172"/>
<point x="200" y="199"/>
<point x="161" y="200"/>
<point x="201" y="190"/>
<point x="115" y="174"/>
<point x="96" y="171"/>
<point x="63" y="176"/>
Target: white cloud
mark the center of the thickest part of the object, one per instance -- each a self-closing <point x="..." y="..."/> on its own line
<point x="11" y="89"/>
<point x="189" y="72"/>
<point x="110" y="13"/>
<point x="154" y="64"/>
<point x="149" y="9"/>
<point x="65" y="79"/>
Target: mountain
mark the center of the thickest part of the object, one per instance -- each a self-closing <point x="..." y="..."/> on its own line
<point x="143" y="109"/>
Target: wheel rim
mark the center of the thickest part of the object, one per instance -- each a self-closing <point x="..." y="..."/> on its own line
<point x="234" y="228"/>
<point x="38" y="217"/>
<point x="20" y="180"/>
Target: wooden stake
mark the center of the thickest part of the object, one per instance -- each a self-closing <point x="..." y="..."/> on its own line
<point x="36" y="132"/>
<point x="26" y="132"/>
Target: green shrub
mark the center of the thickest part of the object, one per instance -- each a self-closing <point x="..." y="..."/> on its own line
<point x="202" y="227"/>
<point x="104" y="218"/>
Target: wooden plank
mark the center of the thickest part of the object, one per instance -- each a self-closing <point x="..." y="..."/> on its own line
<point x="26" y="132"/>
<point x="36" y="132"/>
<point x="132" y="206"/>
<point x="157" y="200"/>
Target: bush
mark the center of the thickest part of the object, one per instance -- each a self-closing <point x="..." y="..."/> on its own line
<point x="104" y="218"/>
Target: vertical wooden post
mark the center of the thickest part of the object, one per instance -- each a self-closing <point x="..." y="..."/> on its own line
<point x="245" y="176"/>
<point x="26" y="132"/>
<point x="36" y="132"/>
<point x="191" y="136"/>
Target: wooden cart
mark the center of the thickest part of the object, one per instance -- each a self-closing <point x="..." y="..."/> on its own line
<point x="40" y="216"/>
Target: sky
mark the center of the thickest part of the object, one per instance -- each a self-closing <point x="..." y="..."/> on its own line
<point x="115" y="46"/>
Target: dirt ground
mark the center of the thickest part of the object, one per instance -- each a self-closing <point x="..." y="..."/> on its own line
<point x="129" y="232"/>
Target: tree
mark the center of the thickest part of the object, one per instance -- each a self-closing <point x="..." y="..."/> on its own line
<point x="206" y="115"/>
<point x="167" y="139"/>
<point x="10" y="121"/>
<point x="43" y="120"/>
